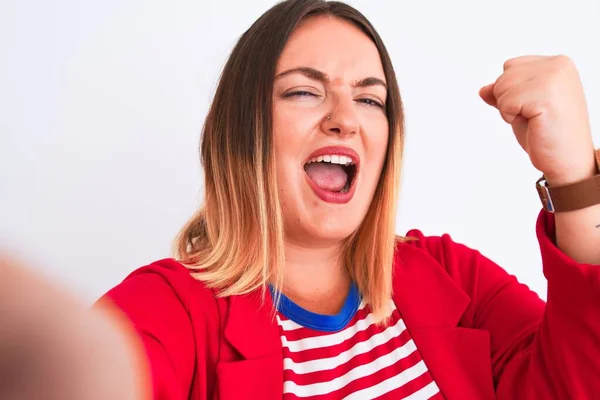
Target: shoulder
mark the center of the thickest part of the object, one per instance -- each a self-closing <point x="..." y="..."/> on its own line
<point x="167" y="273"/>
<point x="442" y="249"/>
<point x="162" y="287"/>
<point x="438" y="281"/>
<point x="177" y="319"/>
<point x="461" y="263"/>
<point x="427" y="261"/>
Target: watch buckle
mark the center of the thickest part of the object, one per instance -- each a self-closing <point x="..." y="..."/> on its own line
<point x="545" y="195"/>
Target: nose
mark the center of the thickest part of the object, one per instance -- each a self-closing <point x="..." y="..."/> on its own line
<point x="341" y="119"/>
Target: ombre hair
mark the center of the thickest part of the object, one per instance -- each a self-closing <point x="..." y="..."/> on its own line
<point x="234" y="242"/>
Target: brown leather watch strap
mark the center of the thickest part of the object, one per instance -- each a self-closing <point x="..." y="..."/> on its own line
<point x="570" y="197"/>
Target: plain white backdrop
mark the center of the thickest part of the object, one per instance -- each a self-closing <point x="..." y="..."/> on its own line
<point x="102" y="103"/>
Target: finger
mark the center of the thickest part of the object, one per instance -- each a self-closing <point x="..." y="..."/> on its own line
<point x="487" y="94"/>
<point x="510" y="104"/>
<point x="514" y="78"/>
<point x="519" y="100"/>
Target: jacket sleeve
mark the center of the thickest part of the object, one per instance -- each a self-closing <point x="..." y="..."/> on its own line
<point x="155" y="299"/>
<point x="539" y="350"/>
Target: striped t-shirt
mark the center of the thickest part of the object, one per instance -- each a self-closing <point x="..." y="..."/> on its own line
<point x="347" y="356"/>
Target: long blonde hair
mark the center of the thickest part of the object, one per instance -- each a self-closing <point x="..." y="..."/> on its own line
<point x="234" y="242"/>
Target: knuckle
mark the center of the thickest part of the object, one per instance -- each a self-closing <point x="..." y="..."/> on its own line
<point x="508" y="64"/>
<point x="562" y="62"/>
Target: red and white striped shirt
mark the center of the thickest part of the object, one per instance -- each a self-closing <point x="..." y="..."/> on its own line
<point x="355" y="360"/>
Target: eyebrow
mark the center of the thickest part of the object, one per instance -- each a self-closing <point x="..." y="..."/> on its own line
<point x="323" y="77"/>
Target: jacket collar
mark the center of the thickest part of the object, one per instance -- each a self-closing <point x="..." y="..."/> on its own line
<point x="431" y="304"/>
<point x="250" y="326"/>
<point x="424" y="293"/>
<point x="251" y="355"/>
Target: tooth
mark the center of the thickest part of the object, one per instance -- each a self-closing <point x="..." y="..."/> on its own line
<point x="327" y="158"/>
<point x="335" y="159"/>
<point x="320" y="158"/>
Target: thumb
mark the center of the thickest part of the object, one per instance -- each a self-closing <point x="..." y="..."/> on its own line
<point x="487" y="94"/>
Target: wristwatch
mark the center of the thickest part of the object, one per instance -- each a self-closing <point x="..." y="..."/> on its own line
<point x="573" y="196"/>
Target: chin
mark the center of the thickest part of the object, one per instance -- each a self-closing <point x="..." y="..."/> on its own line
<point x="330" y="229"/>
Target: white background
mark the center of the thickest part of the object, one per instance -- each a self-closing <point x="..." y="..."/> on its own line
<point x="101" y="107"/>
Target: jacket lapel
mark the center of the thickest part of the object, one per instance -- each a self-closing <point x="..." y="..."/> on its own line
<point x="251" y="327"/>
<point x="432" y="304"/>
<point x="251" y="360"/>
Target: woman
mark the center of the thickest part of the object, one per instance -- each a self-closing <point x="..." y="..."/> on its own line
<point x="290" y="282"/>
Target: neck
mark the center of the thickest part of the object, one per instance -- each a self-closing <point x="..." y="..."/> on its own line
<point x="316" y="278"/>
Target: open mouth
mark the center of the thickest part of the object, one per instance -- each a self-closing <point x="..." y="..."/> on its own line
<point x="332" y="173"/>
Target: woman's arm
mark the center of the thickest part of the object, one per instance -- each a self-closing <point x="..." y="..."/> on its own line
<point x="542" y="97"/>
<point x="578" y="232"/>
<point x="53" y="347"/>
<point x="537" y="351"/>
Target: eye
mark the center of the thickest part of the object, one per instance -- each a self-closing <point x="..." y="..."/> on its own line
<point x="371" y="102"/>
<point x="300" y="93"/>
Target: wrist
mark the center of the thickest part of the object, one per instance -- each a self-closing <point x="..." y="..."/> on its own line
<point x="573" y="175"/>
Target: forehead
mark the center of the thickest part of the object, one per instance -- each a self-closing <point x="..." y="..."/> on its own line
<point x="333" y="46"/>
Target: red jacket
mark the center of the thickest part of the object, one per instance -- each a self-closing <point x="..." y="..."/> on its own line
<point x="482" y="334"/>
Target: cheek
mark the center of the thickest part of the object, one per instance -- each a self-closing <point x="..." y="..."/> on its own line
<point x="376" y="145"/>
<point x="290" y="122"/>
<point x="292" y="130"/>
<point x="287" y="133"/>
<point x="288" y="141"/>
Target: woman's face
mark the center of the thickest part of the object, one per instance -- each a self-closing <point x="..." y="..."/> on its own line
<point x="330" y="129"/>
